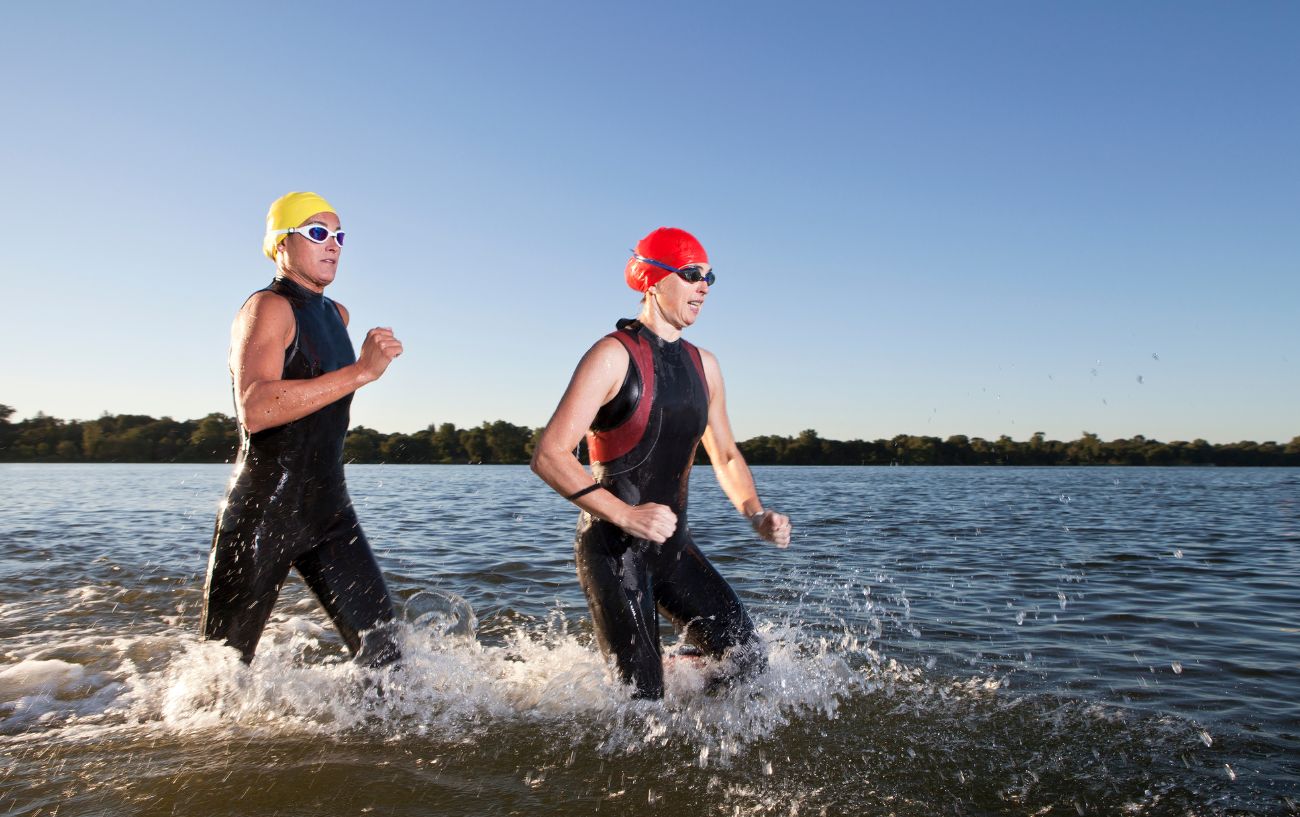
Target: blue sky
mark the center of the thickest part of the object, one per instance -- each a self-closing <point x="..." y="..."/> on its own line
<point x="926" y="218"/>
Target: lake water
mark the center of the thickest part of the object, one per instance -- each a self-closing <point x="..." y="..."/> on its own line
<point x="1055" y="641"/>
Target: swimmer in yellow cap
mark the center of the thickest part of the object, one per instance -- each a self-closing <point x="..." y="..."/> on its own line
<point x="294" y="372"/>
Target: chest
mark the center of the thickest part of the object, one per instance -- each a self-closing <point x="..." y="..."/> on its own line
<point x="321" y="343"/>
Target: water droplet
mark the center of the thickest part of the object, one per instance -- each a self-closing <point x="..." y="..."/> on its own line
<point x="1020" y="618"/>
<point x="1155" y="356"/>
<point x="1139" y="380"/>
<point x="1205" y="738"/>
<point x="1231" y="774"/>
<point x="1177" y="668"/>
<point x="1178" y="553"/>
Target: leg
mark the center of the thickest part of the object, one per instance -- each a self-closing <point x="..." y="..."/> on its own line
<point x="694" y="596"/>
<point x="246" y="568"/>
<point x="343" y="574"/>
<point x="613" y="573"/>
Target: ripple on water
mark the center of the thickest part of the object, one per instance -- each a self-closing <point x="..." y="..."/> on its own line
<point x="944" y="641"/>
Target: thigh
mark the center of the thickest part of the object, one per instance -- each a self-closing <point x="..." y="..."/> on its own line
<point x="699" y="602"/>
<point x="620" y="596"/>
<point x="343" y="574"/>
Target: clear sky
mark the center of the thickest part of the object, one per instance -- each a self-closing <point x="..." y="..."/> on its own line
<point x="926" y="218"/>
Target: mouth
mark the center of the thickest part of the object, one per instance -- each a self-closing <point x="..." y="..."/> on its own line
<point x="694" y="306"/>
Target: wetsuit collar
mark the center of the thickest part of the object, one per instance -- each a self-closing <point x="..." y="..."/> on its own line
<point x="295" y="290"/>
<point x="636" y="327"/>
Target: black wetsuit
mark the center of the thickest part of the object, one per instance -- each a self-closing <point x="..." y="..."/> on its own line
<point x="642" y="445"/>
<point x="289" y="507"/>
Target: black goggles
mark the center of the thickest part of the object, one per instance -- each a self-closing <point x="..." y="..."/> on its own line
<point x="691" y="273"/>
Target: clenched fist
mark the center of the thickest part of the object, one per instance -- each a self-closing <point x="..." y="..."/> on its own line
<point x="378" y="350"/>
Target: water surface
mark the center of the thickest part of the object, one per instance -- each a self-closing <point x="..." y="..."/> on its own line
<point x="942" y="640"/>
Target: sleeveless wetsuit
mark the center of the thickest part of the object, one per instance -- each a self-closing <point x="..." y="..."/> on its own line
<point x="642" y="446"/>
<point x="289" y="507"/>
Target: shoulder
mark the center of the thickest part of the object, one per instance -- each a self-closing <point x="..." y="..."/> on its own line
<point x="602" y="368"/>
<point x="265" y="305"/>
<point x="705" y="354"/>
<point x="709" y="360"/>
<point x="265" y="315"/>
<point x="343" y="311"/>
<point x="712" y="370"/>
<point x="608" y="352"/>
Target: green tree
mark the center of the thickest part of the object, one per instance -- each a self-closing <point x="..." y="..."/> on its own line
<point x="506" y="443"/>
<point x="447" y="447"/>
<point x="215" y="438"/>
<point x="411" y="449"/>
<point x="475" y="444"/>
<point x="361" y="445"/>
<point x="6" y="428"/>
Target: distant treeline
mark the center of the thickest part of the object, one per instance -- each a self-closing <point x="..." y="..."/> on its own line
<point x="215" y="438"/>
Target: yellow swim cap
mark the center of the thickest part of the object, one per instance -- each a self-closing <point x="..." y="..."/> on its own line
<point x="290" y="210"/>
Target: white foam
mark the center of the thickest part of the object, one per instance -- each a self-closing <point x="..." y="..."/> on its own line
<point x="302" y="683"/>
<point x="44" y="693"/>
<point x="36" y="678"/>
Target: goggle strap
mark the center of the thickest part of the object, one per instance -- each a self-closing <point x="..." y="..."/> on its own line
<point x="662" y="266"/>
<point x="651" y="261"/>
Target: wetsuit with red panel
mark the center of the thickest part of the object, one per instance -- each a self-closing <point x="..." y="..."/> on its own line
<point x="642" y="445"/>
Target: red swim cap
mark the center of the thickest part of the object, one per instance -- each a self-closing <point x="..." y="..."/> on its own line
<point x="667" y="245"/>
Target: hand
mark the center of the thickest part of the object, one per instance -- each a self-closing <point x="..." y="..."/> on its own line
<point x="772" y="526"/>
<point x="377" y="351"/>
<point x="650" y="521"/>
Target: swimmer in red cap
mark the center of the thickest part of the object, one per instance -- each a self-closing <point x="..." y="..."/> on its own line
<point x="645" y="398"/>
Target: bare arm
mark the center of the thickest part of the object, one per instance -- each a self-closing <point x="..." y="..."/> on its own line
<point x="262" y="331"/>
<point x="729" y="464"/>
<point x="597" y="379"/>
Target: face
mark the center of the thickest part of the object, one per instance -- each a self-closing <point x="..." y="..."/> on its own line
<point x="310" y="264"/>
<point x="679" y="300"/>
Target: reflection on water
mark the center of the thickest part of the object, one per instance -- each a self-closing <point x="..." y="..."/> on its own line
<point x="1020" y="641"/>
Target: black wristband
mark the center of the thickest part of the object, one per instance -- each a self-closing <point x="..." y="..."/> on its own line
<point x="584" y="491"/>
